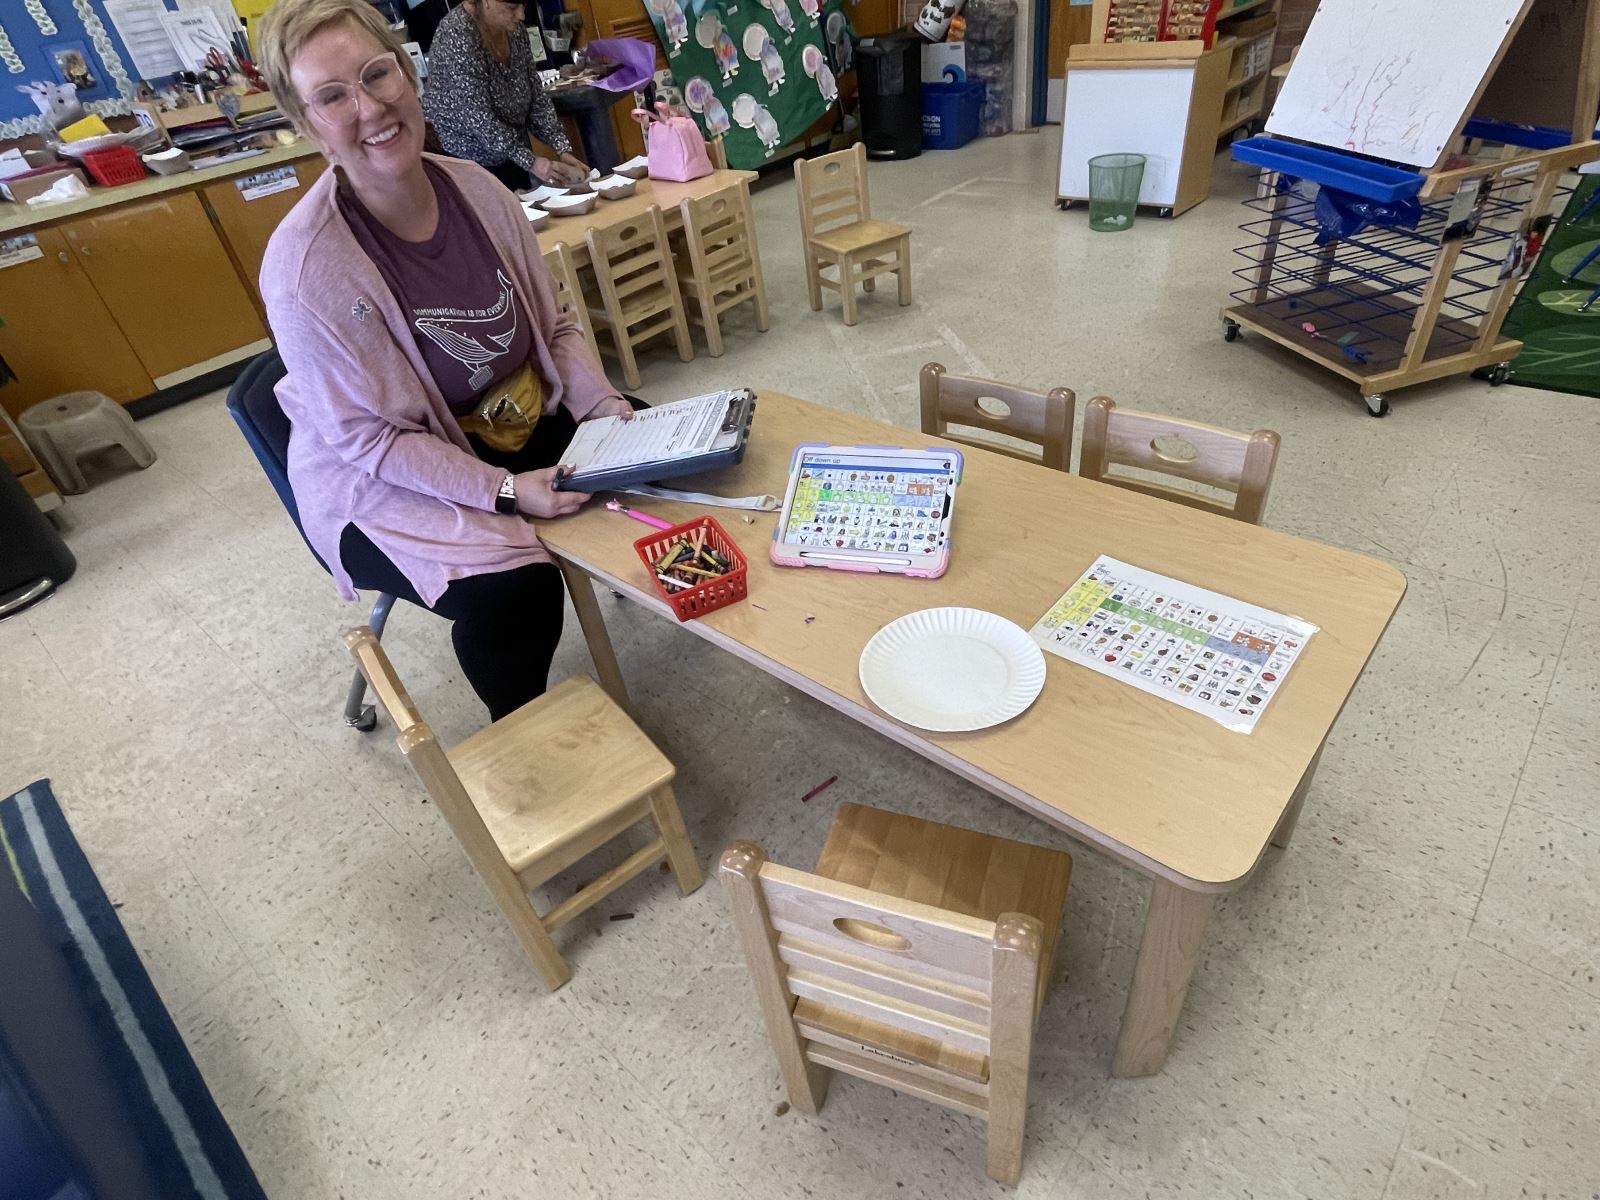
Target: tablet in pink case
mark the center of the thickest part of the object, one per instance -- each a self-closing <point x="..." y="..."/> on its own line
<point x="880" y="509"/>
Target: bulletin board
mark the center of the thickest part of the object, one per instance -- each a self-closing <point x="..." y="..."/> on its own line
<point x="37" y="36"/>
<point x="755" y="72"/>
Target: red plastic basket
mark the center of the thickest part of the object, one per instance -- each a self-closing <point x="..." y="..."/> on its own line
<point x="713" y="593"/>
<point x="119" y="164"/>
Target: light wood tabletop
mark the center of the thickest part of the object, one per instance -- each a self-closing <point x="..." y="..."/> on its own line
<point x="574" y="231"/>
<point x="1155" y="786"/>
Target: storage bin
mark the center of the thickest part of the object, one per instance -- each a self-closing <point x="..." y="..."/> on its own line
<point x="951" y="111"/>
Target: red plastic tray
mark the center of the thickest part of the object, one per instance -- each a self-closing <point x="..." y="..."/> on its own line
<point x="713" y="593"/>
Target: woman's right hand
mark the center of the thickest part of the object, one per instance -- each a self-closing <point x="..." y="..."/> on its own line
<point x="556" y="173"/>
<point x="536" y="498"/>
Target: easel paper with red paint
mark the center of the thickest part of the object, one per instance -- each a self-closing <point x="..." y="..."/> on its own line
<point x="1209" y="653"/>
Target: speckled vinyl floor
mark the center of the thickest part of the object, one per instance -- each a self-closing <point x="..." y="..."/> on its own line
<point x="1405" y="1005"/>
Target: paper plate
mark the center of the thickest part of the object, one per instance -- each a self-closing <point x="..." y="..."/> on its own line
<point x="952" y="669"/>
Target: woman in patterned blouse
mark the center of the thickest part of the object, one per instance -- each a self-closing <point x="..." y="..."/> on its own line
<point x="484" y="99"/>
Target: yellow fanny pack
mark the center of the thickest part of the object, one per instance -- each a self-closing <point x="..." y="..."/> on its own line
<point x="505" y="415"/>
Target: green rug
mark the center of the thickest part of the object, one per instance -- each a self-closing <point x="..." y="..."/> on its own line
<point x="1561" y="346"/>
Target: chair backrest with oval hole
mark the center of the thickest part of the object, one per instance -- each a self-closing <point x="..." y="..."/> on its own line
<point x="1237" y="463"/>
<point x="832" y="190"/>
<point x="1042" y="418"/>
<point x="898" y="992"/>
<point x="569" y="301"/>
<point x="632" y="263"/>
<point x="718" y="228"/>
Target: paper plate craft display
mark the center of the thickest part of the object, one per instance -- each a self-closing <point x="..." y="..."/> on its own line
<point x="780" y="13"/>
<point x="728" y="41"/>
<point x="758" y="46"/>
<point x="816" y="66"/>
<point x="747" y="114"/>
<point x="674" y="24"/>
<point x="699" y="97"/>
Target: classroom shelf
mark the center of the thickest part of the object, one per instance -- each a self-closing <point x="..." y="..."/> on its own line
<point x="1236" y="84"/>
<point x="1248" y="6"/>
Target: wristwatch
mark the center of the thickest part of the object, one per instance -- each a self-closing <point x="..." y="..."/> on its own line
<point x="505" y="500"/>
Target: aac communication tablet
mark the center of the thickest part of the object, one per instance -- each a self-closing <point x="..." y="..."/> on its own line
<point x="868" y="508"/>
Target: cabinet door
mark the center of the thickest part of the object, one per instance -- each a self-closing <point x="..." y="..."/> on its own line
<point x="248" y="223"/>
<point x="163" y="273"/>
<point x="58" y="336"/>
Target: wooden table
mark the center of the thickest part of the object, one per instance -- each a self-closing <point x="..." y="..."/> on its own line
<point x="574" y="231"/>
<point x="1166" y="791"/>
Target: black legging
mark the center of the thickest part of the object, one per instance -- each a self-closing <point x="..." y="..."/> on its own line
<point x="505" y="624"/>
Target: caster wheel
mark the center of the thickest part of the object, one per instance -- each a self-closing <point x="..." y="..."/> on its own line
<point x="1231" y="331"/>
<point x="1499" y="374"/>
<point x="1377" y="406"/>
<point x="366" y="721"/>
<point x="1163" y="212"/>
<point x="1063" y="205"/>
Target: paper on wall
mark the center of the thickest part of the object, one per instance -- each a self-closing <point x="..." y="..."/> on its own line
<point x="194" y="34"/>
<point x="138" y="23"/>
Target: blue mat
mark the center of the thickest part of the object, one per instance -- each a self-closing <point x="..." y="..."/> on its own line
<point x="99" y="1097"/>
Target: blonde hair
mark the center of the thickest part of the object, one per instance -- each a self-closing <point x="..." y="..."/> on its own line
<point x="290" y="24"/>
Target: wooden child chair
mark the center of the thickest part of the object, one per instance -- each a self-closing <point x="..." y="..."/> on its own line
<point x="837" y="229"/>
<point x="723" y="266"/>
<point x="717" y="152"/>
<point x="569" y="299"/>
<point x="1043" y="418"/>
<point x="536" y="791"/>
<point x="1204" y="454"/>
<point x="915" y="956"/>
<point x="638" y="284"/>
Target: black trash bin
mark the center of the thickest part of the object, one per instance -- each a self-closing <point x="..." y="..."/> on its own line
<point x="33" y="558"/>
<point x="889" y="71"/>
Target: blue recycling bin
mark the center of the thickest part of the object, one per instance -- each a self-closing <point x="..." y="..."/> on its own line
<point x="951" y="111"/>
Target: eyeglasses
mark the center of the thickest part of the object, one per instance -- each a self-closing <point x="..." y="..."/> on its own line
<point x="337" y="103"/>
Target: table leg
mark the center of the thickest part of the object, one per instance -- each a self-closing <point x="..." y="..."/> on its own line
<point x="1291" y="815"/>
<point x="1173" y="926"/>
<point x="581" y="588"/>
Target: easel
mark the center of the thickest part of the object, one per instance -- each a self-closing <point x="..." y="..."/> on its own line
<point x="1390" y="306"/>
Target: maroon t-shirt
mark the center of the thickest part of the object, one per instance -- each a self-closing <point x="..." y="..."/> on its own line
<point x="469" y="325"/>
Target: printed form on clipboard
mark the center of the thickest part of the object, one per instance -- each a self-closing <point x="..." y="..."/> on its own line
<point x="701" y="433"/>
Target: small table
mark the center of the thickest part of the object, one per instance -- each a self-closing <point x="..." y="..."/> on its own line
<point x="1167" y="792"/>
<point x="574" y="231"/>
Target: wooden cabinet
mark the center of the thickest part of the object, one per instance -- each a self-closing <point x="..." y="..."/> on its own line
<point x="247" y="224"/>
<point x="170" y="285"/>
<point x="58" y="335"/>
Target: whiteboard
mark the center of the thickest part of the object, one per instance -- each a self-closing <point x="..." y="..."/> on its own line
<point x="1391" y="78"/>
<point x="1132" y="110"/>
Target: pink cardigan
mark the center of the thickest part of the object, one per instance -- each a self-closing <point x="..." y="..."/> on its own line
<point x="373" y="442"/>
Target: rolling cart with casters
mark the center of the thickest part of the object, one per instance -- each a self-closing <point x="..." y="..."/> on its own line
<point x="1417" y="293"/>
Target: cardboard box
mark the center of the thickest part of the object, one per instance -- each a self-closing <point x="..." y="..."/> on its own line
<point x="19" y="188"/>
<point x="936" y="56"/>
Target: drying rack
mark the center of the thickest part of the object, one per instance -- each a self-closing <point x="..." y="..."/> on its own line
<point x="1390" y="306"/>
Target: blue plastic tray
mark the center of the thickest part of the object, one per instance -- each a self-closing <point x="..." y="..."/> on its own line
<point x="1360" y="176"/>
<point x="1530" y="137"/>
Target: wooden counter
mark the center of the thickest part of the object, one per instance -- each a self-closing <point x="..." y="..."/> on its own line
<point x="138" y="288"/>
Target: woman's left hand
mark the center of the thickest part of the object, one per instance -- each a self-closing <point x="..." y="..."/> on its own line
<point x="611" y="406"/>
<point x="578" y="165"/>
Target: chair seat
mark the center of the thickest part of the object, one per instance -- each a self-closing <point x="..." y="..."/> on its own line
<point x="861" y="235"/>
<point x="560" y="775"/>
<point x="976" y="874"/>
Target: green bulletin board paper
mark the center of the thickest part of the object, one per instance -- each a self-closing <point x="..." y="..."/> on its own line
<point x="756" y="72"/>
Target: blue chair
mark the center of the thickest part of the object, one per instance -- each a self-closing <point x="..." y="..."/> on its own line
<point x="254" y="406"/>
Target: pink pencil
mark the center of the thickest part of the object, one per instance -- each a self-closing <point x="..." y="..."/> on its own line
<point x="637" y="515"/>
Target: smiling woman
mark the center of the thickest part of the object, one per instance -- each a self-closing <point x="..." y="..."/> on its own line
<point x="432" y="380"/>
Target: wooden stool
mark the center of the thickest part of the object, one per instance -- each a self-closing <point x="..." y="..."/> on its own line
<point x="63" y="430"/>
<point x="536" y="791"/>
<point x="916" y="956"/>
<point x="639" y="296"/>
<point x="1043" y="418"/>
<point x="837" y="229"/>
<point x="1204" y="454"/>
<point x="724" y="265"/>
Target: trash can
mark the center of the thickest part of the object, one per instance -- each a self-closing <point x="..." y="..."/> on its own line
<point x="1114" y="181"/>
<point x="889" y="71"/>
<point x="34" y="561"/>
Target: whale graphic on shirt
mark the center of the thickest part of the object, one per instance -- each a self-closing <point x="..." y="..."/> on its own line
<point x="474" y="337"/>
